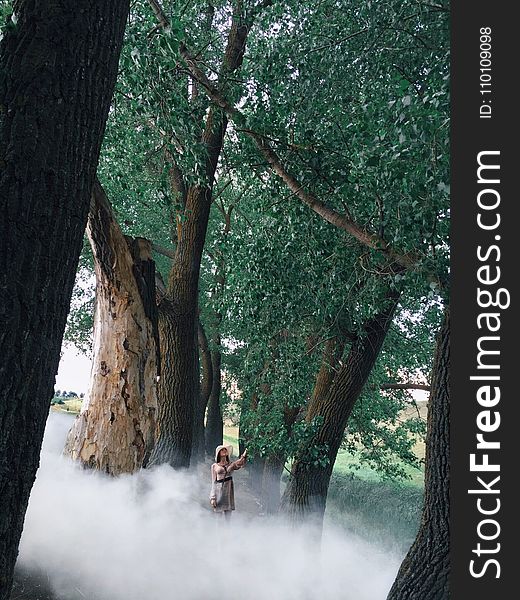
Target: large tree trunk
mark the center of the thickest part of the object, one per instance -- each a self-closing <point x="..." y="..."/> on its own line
<point x="306" y="493"/>
<point x="177" y="392"/>
<point x="115" y="431"/>
<point x="58" y="67"/>
<point x="177" y="329"/>
<point x="425" y="570"/>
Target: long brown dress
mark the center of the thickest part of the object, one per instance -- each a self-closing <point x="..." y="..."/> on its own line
<point x="222" y="485"/>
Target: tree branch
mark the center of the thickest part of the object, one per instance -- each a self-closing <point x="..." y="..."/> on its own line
<point x="164" y="251"/>
<point x="160" y="14"/>
<point x="405" y="386"/>
<point x="405" y="261"/>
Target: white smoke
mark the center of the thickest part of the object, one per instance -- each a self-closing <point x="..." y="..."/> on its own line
<point x="152" y="536"/>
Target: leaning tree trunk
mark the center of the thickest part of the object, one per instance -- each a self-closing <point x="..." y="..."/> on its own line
<point x="425" y="570"/>
<point x="306" y="493"/>
<point x="115" y="431"/>
<point x="58" y="66"/>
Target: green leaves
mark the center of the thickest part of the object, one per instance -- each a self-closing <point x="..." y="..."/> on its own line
<point x="354" y="99"/>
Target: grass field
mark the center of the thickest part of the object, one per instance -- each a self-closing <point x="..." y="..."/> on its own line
<point x="346" y="463"/>
<point x="70" y="405"/>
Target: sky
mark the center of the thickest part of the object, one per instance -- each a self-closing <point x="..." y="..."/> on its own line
<point x="73" y="371"/>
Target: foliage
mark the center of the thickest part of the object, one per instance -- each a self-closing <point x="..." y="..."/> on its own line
<point x="375" y="510"/>
<point x="354" y="99"/>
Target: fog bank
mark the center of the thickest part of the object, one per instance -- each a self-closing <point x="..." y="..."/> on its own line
<point x="152" y="536"/>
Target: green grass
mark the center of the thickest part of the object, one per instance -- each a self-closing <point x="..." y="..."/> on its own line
<point x="231" y="438"/>
<point x="384" y="512"/>
<point x="362" y="503"/>
<point x="346" y="464"/>
<point x="69" y="405"/>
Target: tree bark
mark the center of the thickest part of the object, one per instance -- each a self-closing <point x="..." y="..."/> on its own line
<point x="177" y="392"/>
<point x="115" y="431"/>
<point x="177" y="329"/>
<point x="205" y="385"/>
<point x="271" y="476"/>
<point x="214" y="432"/>
<point x="306" y="492"/>
<point x="274" y="465"/>
<point x="425" y="570"/>
<point x="58" y="66"/>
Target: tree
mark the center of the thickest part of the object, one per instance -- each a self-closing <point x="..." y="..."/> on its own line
<point x="357" y="134"/>
<point x="178" y="388"/>
<point x="115" y="431"/>
<point x="425" y="570"/>
<point x="58" y="65"/>
<point x="397" y="103"/>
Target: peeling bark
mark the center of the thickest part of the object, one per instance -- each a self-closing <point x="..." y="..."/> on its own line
<point x="115" y="431"/>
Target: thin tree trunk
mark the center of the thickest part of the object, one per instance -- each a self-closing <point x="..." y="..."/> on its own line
<point x="271" y="480"/>
<point x="274" y="465"/>
<point x="205" y="384"/>
<point x="425" y="570"/>
<point x="58" y="67"/>
<point x="306" y="492"/>
<point x="214" y="431"/>
<point x="256" y="475"/>
<point x="115" y="430"/>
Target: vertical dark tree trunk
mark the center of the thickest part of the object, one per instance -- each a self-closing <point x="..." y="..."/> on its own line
<point x="58" y="66"/>
<point x="306" y="492"/>
<point x="115" y="431"/>
<point x="177" y="329"/>
<point x="425" y="570"/>
<point x="177" y="393"/>
<point x="273" y="467"/>
<point x="206" y="383"/>
<point x="256" y="475"/>
<point x="271" y="479"/>
<point x="214" y="431"/>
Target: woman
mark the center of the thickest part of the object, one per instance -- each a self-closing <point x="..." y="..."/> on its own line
<point x="222" y="496"/>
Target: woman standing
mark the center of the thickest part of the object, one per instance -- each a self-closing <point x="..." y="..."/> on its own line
<point x="222" y="496"/>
